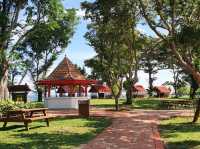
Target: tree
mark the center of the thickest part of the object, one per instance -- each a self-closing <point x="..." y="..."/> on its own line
<point x="39" y="52"/>
<point x="20" y="20"/>
<point x="16" y="69"/>
<point x="116" y="28"/>
<point x="193" y="85"/>
<point x="151" y="60"/>
<point x="175" y="21"/>
<point x="96" y="69"/>
<point x="178" y="80"/>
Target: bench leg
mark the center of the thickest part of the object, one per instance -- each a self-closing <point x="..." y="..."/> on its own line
<point x="4" y="125"/>
<point x="47" y="121"/>
<point x="26" y="125"/>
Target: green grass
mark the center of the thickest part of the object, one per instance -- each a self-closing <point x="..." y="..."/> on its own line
<point x="149" y="103"/>
<point x="104" y="103"/>
<point x="180" y="133"/>
<point x="137" y="103"/>
<point x="62" y="133"/>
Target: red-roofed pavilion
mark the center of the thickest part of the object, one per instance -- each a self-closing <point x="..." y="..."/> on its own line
<point x="103" y="91"/>
<point x="66" y="78"/>
<point x="162" y="91"/>
<point x="139" y="91"/>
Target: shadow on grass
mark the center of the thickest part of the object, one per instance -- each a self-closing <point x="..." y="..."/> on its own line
<point x="16" y="127"/>
<point x="54" y="138"/>
<point x="148" y="104"/>
<point x="51" y="141"/>
<point x="180" y="127"/>
<point x="11" y="127"/>
<point x="104" y="106"/>
<point x="180" y="134"/>
<point x="189" y="144"/>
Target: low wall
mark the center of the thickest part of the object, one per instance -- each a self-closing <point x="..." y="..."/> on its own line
<point x="63" y="102"/>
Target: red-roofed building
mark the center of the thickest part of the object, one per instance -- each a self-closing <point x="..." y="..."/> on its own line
<point x="103" y="91"/>
<point x="162" y="91"/>
<point x="66" y="78"/>
<point x="139" y="91"/>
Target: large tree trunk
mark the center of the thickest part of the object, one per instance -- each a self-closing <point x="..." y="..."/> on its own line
<point x="197" y="111"/>
<point x="4" y="94"/>
<point x="193" y="88"/>
<point x="150" y="92"/>
<point x="117" y="95"/>
<point x="192" y="92"/>
<point x="175" y="91"/>
<point x="116" y="104"/>
<point x="129" y="94"/>
<point x="39" y="92"/>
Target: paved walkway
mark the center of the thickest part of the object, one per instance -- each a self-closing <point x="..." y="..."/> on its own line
<point x="136" y="129"/>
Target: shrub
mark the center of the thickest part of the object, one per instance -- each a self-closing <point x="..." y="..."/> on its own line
<point x="182" y="91"/>
<point x="7" y="105"/>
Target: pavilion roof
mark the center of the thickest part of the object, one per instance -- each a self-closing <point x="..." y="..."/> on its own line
<point x="19" y="88"/>
<point x="100" y="89"/>
<point x="66" y="71"/>
<point x="138" y="88"/>
<point x="162" y="89"/>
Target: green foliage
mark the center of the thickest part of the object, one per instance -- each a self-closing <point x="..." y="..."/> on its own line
<point x="33" y="34"/>
<point x="198" y="92"/>
<point x="47" y="40"/>
<point x="7" y="105"/>
<point x="183" y="91"/>
<point x="176" y="23"/>
<point x="112" y="33"/>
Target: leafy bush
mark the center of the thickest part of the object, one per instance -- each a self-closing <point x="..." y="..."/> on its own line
<point x="198" y="92"/>
<point x="8" y="105"/>
<point x="30" y="105"/>
<point x="182" y="91"/>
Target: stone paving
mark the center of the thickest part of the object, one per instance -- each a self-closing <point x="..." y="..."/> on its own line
<point x="137" y="129"/>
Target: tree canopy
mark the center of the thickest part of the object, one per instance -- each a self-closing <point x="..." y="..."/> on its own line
<point x="35" y="31"/>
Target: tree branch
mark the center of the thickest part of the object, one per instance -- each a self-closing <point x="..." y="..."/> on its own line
<point x="149" y="21"/>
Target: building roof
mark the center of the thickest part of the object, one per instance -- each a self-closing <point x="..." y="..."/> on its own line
<point x="162" y="89"/>
<point x="100" y="89"/>
<point x="66" y="71"/>
<point x="138" y="88"/>
<point x="19" y="88"/>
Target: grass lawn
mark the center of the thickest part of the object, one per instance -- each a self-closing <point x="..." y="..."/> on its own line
<point x="137" y="104"/>
<point x="104" y="103"/>
<point x="62" y="133"/>
<point x="149" y="103"/>
<point x="180" y="133"/>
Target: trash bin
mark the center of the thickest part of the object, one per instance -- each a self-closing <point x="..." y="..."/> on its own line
<point x="84" y="108"/>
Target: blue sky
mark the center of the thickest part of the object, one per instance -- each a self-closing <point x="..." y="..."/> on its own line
<point x="79" y="50"/>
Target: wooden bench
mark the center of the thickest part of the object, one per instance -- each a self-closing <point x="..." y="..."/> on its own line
<point x="175" y="103"/>
<point x="26" y="116"/>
